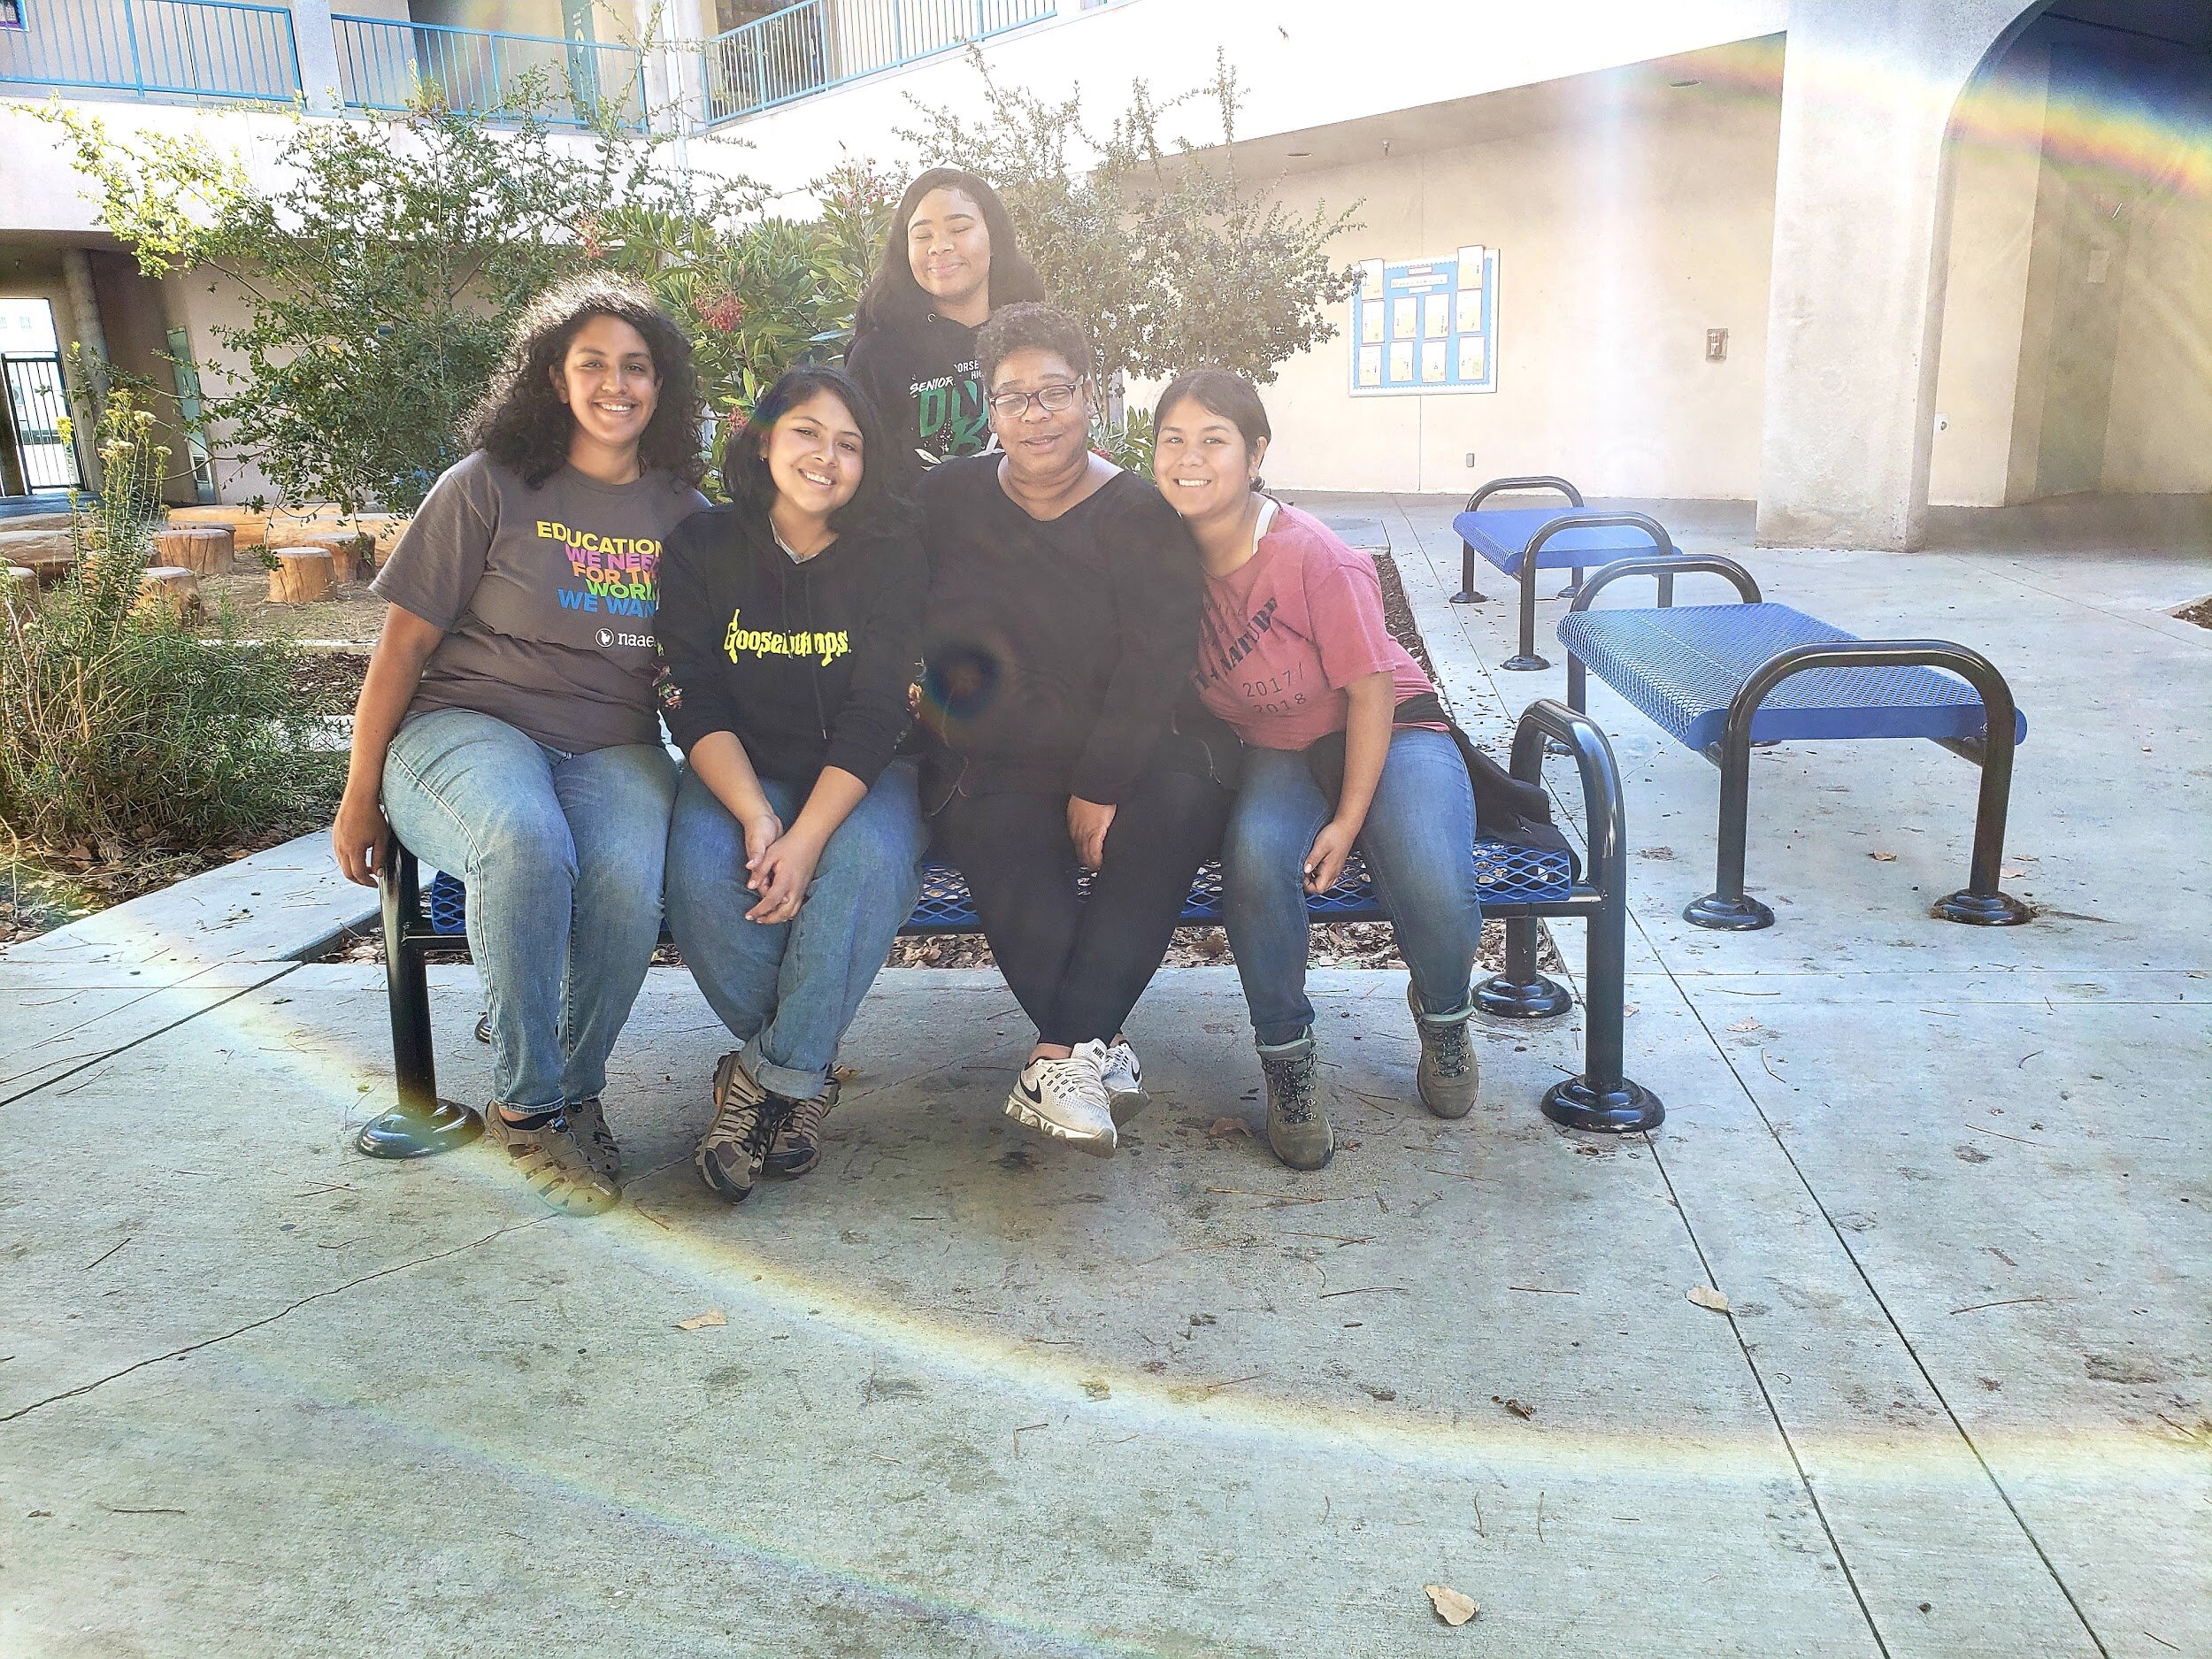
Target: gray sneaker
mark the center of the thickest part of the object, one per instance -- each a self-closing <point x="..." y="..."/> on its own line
<point x="729" y="1155"/>
<point x="1450" y="1077"/>
<point x="798" y="1144"/>
<point x="549" y="1154"/>
<point x="1298" y="1128"/>
<point x="588" y="1120"/>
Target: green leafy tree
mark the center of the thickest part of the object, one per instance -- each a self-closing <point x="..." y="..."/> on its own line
<point x="383" y="275"/>
<point x="1168" y="258"/>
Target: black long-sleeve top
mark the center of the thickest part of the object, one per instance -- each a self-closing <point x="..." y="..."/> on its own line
<point x="807" y="662"/>
<point x="1056" y="650"/>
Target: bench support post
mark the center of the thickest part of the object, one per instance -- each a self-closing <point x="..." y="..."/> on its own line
<point x="1663" y="548"/>
<point x="1521" y="992"/>
<point x="1980" y="902"/>
<point x="1602" y="1099"/>
<point x="1467" y="594"/>
<point x="421" y="1124"/>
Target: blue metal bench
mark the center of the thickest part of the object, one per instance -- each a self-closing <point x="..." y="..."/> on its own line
<point x="1519" y="886"/>
<point x="1721" y="678"/>
<point x="1521" y="541"/>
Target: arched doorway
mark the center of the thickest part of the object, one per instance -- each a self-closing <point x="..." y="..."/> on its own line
<point x="2076" y="342"/>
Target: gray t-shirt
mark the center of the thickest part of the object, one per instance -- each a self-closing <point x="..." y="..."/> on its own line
<point x="547" y="596"/>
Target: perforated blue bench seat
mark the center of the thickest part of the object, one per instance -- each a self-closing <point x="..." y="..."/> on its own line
<point x="1521" y="541"/>
<point x="1519" y="884"/>
<point x="1502" y="536"/>
<point x="1719" y="678"/>
<point x="1510" y="877"/>
<point x="1683" y="666"/>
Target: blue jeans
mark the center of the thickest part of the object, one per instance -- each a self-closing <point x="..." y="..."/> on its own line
<point x="1418" y="842"/>
<point x="562" y="854"/>
<point x="789" y="990"/>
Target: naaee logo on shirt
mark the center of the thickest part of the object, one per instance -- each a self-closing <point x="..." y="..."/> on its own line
<point x="616" y="573"/>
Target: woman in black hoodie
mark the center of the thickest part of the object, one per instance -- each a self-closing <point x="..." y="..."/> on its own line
<point x="789" y="626"/>
<point x="948" y="262"/>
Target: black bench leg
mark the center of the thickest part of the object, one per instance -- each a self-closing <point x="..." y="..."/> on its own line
<point x="1573" y="587"/>
<point x="1726" y="909"/>
<point x="420" y="1124"/>
<point x="1467" y="596"/>
<point x="1601" y="1098"/>
<point x="1980" y="904"/>
<point x="1526" y="659"/>
<point x="1521" y="992"/>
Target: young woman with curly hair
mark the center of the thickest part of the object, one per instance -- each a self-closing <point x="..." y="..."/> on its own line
<point x="792" y="623"/>
<point x="948" y="262"/>
<point x="506" y="729"/>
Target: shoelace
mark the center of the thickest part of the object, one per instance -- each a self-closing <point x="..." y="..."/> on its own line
<point x="1294" y="1091"/>
<point x="806" y="1117"/>
<point x="1448" y="1048"/>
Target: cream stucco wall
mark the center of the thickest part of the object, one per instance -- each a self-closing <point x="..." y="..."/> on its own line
<point x="1621" y="238"/>
<point x="2159" y="439"/>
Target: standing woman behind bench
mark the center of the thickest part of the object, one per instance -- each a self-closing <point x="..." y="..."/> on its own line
<point x="506" y="728"/>
<point x="948" y="262"/>
<point x="1063" y="613"/>
<point x="1347" y="746"/>
<point x="791" y="622"/>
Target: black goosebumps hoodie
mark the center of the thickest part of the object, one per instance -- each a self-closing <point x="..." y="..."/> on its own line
<point x="807" y="662"/>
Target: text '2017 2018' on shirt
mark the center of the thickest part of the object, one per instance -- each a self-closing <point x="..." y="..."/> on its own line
<point x="547" y="597"/>
<point x="807" y="662"/>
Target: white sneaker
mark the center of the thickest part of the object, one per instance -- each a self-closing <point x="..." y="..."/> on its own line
<point x="1123" y="1080"/>
<point x="1065" y="1099"/>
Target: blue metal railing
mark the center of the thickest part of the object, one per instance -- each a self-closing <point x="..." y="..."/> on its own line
<point x="383" y="65"/>
<point x="168" y="48"/>
<point x="817" y="44"/>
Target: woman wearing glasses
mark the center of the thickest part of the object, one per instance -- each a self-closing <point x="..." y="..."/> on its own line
<point x="948" y="262"/>
<point x="1059" y="635"/>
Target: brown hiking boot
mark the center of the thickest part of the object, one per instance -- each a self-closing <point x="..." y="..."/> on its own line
<point x="1450" y="1077"/>
<point x="798" y="1146"/>
<point x="729" y="1155"/>
<point x="1298" y="1128"/>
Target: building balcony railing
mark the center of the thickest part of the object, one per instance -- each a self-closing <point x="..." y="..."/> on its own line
<point x="224" y="49"/>
<point x="384" y="65"/>
<point x="817" y="44"/>
<point x="207" y="49"/>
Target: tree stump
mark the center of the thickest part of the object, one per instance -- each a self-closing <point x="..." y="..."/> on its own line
<point x="202" y="548"/>
<point x="302" y="575"/>
<point x="170" y="586"/>
<point x="247" y="528"/>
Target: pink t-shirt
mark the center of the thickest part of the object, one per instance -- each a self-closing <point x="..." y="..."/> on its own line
<point x="1285" y="633"/>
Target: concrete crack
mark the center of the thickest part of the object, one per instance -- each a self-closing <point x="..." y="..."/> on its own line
<point x="256" y="1325"/>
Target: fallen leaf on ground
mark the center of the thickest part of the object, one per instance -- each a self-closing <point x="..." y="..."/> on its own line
<point x="1656" y="852"/>
<point x="1224" y="1127"/>
<point x="845" y="1073"/>
<point x="2010" y="875"/>
<point x="1519" y="1410"/>
<point x="1883" y="858"/>
<point x="1705" y="1296"/>
<point x="704" y="1321"/>
<point x="1744" y="1024"/>
<point x="1453" y="1608"/>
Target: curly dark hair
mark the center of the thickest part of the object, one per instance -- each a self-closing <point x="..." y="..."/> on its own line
<point x="745" y="475"/>
<point x="1027" y="328"/>
<point x="895" y="299"/>
<point x="523" y="424"/>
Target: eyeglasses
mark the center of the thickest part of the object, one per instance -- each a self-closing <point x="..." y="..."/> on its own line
<point x="1051" y="399"/>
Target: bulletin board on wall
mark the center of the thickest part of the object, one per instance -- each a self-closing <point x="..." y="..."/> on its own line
<point x="10" y="14"/>
<point x="1425" y="326"/>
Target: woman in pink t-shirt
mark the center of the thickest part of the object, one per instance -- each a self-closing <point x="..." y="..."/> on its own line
<point x="1347" y="746"/>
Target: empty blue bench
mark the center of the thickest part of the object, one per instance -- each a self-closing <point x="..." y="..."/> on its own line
<point x="1721" y="678"/>
<point x="1521" y="541"/>
<point x="1520" y="885"/>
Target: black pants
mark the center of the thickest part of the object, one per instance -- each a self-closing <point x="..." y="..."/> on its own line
<point x="1076" y="966"/>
